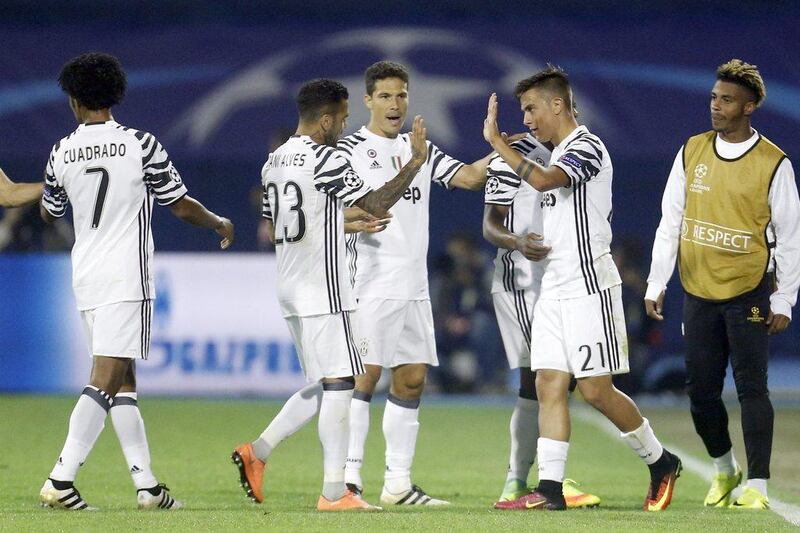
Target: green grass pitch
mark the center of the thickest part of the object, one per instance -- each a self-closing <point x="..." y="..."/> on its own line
<point x="461" y="456"/>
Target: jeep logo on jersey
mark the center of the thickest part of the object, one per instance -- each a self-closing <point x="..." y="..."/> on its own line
<point x="413" y="193"/>
<point x="548" y="200"/>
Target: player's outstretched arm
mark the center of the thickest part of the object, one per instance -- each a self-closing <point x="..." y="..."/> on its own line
<point x="472" y="177"/>
<point x="495" y="232"/>
<point x="378" y="202"/>
<point x="193" y="212"/>
<point x="18" y="194"/>
<point x="539" y="177"/>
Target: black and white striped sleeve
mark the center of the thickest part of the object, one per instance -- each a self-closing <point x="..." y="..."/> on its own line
<point x="54" y="198"/>
<point x="334" y="176"/>
<point x="582" y="159"/>
<point x="160" y="175"/>
<point x="443" y="167"/>
<point x="501" y="183"/>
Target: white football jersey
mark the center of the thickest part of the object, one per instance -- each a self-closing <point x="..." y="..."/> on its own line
<point x="577" y="220"/>
<point x="392" y="264"/>
<point x="110" y="174"/>
<point x="512" y="271"/>
<point x="306" y="186"/>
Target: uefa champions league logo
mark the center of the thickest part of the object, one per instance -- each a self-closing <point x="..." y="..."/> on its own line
<point x="434" y="95"/>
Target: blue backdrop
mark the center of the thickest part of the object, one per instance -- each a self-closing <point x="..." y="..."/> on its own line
<point x="215" y="81"/>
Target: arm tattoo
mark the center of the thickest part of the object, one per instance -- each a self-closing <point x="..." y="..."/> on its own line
<point x="525" y="169"/>
<point x="378" y="202"/>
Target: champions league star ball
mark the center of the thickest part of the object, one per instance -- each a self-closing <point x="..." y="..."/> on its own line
<point x="449" y="92"/>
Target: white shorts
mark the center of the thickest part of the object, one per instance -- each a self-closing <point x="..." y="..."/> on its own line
<point x="326" y="346"/>
<point x="514" y="310"/>
<point x="119" y="330"/>
<point x="396" y="332"/>
<point x="583" y="336"/>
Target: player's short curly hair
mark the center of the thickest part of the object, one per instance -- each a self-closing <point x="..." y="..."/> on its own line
<point x="95" y="80"/>
<point x="318" y="97"/>
<point x="744" y="74"/>
<point x="551" y="78"/>
<point x="383" y="70"/>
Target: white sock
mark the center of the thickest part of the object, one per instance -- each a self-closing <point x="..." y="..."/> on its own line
<point x="400" y="428"/>
<point x="295" y="414"/>
<point x="129" y="426"/>
<point x="726" y="464"/>
<point x="552" y="459"/>
<point x="524" y="429"/>
<point x="759" y="484"/>
<point x="643" y="441"/>
<point x="359" y="428"/>
<point x="334" y="423"/>
<point x="85" y="425"/>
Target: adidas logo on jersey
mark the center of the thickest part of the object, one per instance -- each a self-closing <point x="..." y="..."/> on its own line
<point x="135" y="469"/>
<point x="375" y="164"/>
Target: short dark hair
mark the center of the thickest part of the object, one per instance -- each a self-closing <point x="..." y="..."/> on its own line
<point x="95" y="80"/>
<point x="317" y="97"/>
<point x="383" y="70"/>
<point x="552" y="78"/>
<point x="744" y="74"/>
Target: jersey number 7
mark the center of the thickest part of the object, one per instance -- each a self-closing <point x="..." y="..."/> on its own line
<point x="102" y="190"/>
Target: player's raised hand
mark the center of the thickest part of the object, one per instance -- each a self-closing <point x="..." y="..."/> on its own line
<point x="655" y="308"/>
<point x="491" y="132"/>
<point x="419" y="135"/>
<point x="531" y="246"/>
<point x="225" y="230"/>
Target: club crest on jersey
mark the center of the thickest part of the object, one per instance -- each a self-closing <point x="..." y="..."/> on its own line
<point x="353" y="180"/>
<point x="372" y="153"/>
<point x="363" y="347"/>
<point x="492" y="184"/>
<point x="396" y="162"/>
<point x="571" y="160"/>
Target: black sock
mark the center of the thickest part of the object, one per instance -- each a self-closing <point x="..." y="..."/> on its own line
<point x="61" y="485"/>
<point x="662" y="466"/>
<point x="552" y="489"/>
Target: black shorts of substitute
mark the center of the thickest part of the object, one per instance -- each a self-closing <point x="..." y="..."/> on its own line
<point x="735" y="330"/>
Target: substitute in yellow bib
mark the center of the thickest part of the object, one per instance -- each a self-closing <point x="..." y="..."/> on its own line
<point x="731" y="217"/>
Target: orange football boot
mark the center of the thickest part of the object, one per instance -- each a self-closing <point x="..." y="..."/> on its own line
<point x="251" y="471"/>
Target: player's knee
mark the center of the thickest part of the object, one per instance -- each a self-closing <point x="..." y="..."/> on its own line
<point x="595" y="394"/>
<point x="367" y="381"/>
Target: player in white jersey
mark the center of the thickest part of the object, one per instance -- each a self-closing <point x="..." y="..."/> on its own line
<point x="390" y="276"/>
<point x="110" y="175"/>
<point x="579" y="326"/>
<point x="18" y="194"/>
<point x="307" y="184"/>
<point x="512" y="221"/>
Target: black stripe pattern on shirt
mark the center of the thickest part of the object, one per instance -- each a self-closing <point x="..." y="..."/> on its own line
<point x="351" y="242"/>
<point x="583" y="238"/>
<point x="332" y="255"/>
<point x="582" y="158"/>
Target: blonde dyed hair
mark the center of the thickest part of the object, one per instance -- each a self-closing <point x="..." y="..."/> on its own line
<point x="744" y="74"/>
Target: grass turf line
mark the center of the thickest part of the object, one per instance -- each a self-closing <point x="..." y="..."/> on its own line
<point x="461" y="456"/>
